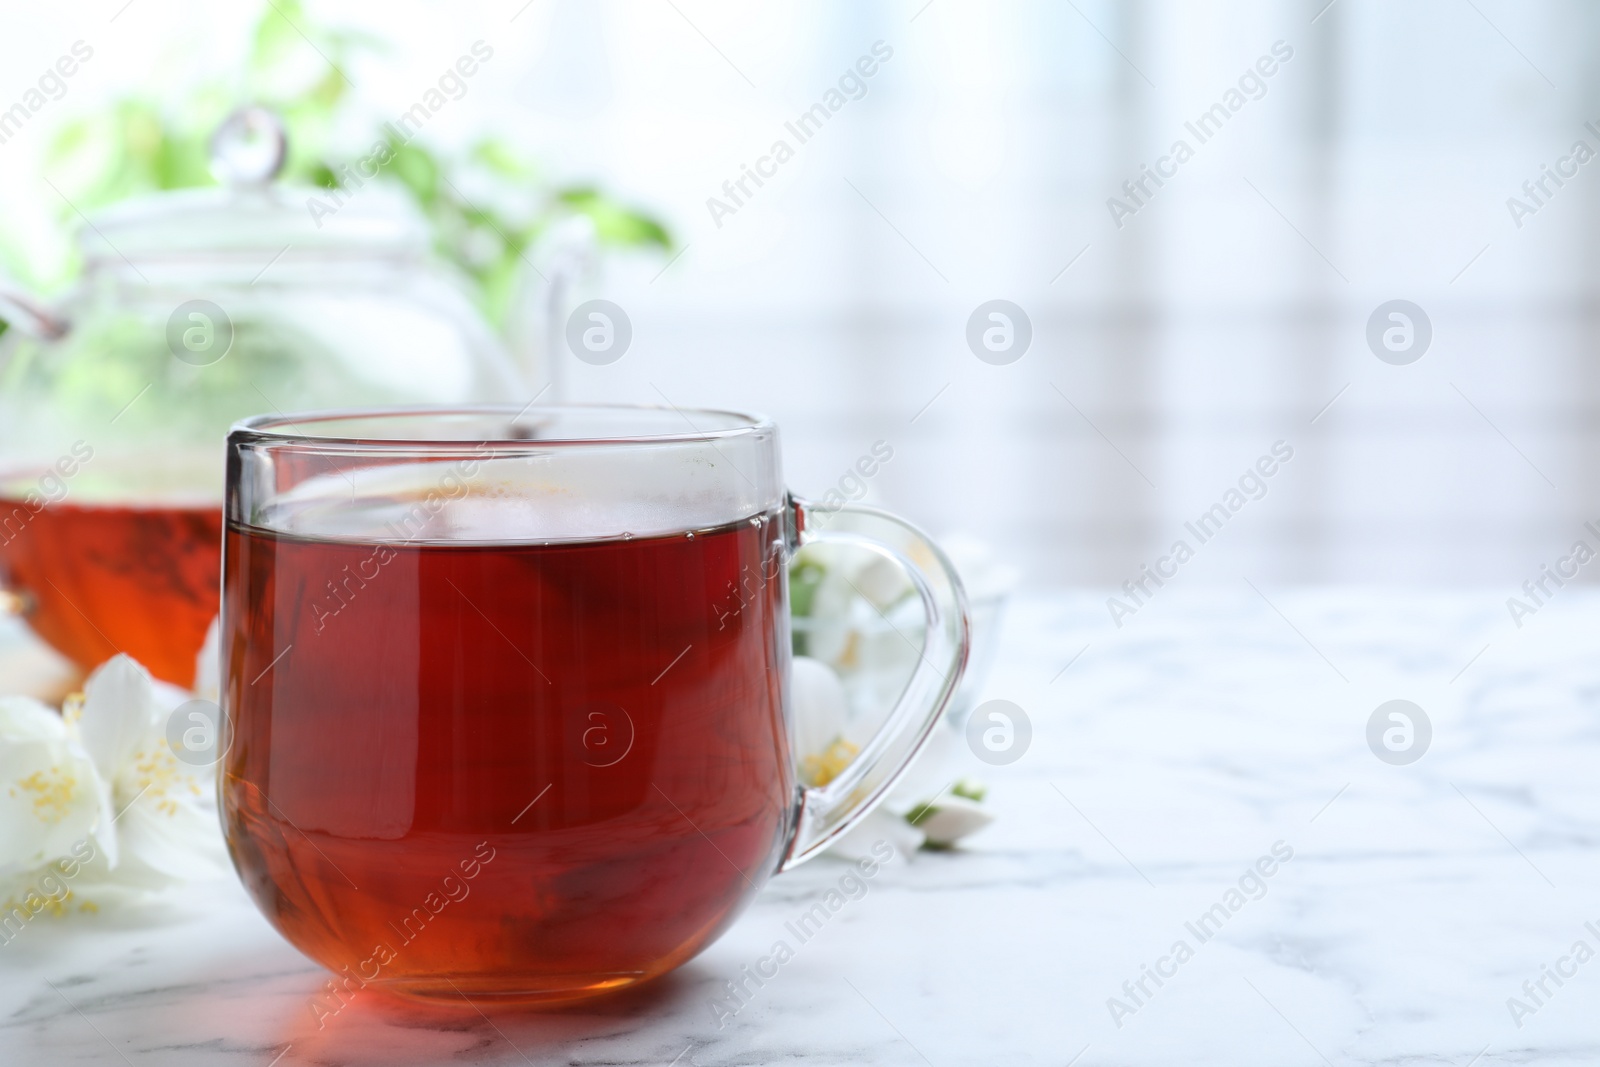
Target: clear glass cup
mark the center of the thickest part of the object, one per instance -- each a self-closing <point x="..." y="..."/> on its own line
<point x="507" y="692"/>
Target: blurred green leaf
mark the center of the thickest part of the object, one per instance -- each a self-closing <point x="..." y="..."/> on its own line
<point x="417" y="170"/>
<point x="275" y="36"/>
<point x="804" y="578"/>
<point x="614" y="223"/>
<point x="500" y="158"/>
<point x="322" y="175"/>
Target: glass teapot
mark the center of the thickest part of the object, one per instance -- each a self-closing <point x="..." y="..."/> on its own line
<point x="195" y="309"/>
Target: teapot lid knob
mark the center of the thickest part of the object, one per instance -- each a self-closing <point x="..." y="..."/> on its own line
<point x="249" y="147"/>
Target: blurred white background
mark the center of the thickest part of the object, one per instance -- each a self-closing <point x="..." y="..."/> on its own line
<point x="1167" y="354"/>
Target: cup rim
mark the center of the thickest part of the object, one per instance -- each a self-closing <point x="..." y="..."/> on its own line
<point x="291" y="429"/>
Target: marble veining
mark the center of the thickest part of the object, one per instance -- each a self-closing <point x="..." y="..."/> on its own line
<point x="1171" y="756"/>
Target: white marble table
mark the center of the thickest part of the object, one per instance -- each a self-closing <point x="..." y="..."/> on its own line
<point x="1165" y="761"/>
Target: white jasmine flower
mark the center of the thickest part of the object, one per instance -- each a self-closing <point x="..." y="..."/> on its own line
<point x="881" y="825"/>
<point x="166" y="829"/>
<point x="946" y="819"/>
<point x="51" y="794"/>
<point x="920" y="809"/>
<point x="844" y="624"/>
<point x="823" y="745"/>
<point x="931" y="796"/>
<point x="97" y="791"/>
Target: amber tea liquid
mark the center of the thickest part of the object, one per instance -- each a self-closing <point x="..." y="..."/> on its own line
<point x="106" y="579"/>
<point x="532" y="770"/>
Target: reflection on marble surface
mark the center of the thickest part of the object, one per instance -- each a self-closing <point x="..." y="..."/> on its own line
<point x="1164" y="762"/>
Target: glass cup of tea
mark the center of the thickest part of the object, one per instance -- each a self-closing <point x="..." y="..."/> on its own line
<point x="507" y="692"/>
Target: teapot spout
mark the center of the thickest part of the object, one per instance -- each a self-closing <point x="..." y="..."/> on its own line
<point x="20" y="310"/>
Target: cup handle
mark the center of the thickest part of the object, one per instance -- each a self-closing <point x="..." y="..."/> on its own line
<point x="825" y="812"/>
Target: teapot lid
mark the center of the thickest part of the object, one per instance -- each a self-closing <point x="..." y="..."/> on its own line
<point x="250" y="214"/>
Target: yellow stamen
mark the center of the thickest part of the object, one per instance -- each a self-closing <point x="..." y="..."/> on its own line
<point x="55" y="793"/>
<point x="821" y="769"/>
